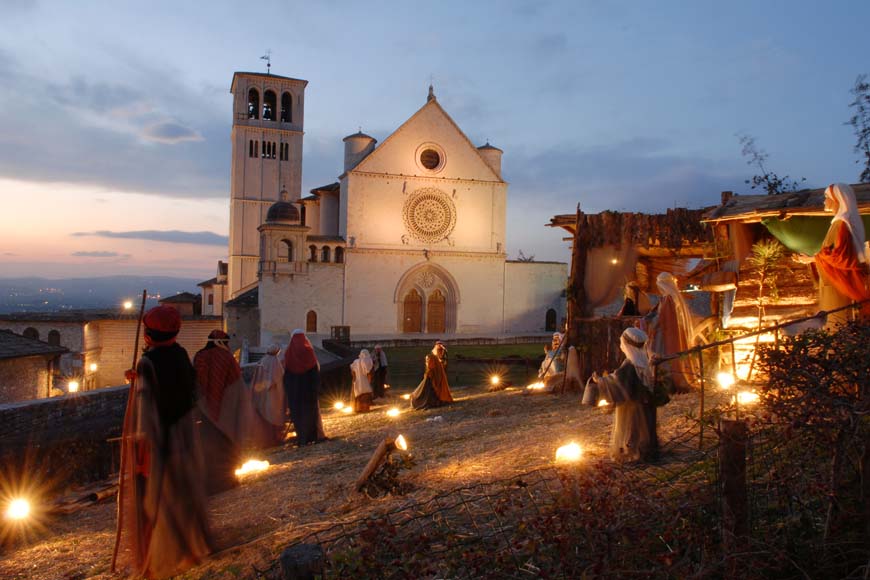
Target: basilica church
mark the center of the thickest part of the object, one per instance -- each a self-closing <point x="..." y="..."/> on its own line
<point x="409" y="241"/>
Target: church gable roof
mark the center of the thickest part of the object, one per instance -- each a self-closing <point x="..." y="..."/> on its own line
<point x="399" y="154"/>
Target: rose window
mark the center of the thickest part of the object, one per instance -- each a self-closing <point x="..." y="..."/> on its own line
<point x="429" y="215"/>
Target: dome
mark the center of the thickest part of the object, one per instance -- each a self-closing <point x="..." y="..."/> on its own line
<point x="489" y="147"/>
<point x="359" y="135"/>
<point x="283" y="212"/>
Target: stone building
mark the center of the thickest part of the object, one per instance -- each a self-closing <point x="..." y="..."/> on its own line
<point x="100" y="342"/>
<point x="27" y="367"/>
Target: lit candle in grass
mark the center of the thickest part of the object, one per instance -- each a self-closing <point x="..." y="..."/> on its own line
<point x="18" y="509"/>
<point x="338" y="406"/>
<point x="569" y="453"/>
<point x="401" y="443"/>
<point x="536" y="386"/>
<point x="603" y="403"/>
<point x="407" y="396"/>
<point x="347" y="410"/>
<point x="252" y="466"/>
<point x="494" y="380"/>
<point x="746" y="398"/>
<point x="394" y="412"/>
<point x="725" y="380"/>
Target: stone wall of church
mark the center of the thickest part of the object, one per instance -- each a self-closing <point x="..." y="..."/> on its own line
<point x="373" y="306"/>
<point x="71" y="333"/>
<point x="375" y="216"/>
<point x="532" y="288"/>
<point x="285" y="302"/>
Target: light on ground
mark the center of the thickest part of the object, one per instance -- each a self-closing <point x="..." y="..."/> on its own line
<point x="252" y="466"/>
<point x="494" y="379"/>
<point x="725" y="380"/>
<point x="747" y="398"/>
<point x="394" y="412"/>
<point x="72" y="387"/>
<point x="347" y="410"/>
<point x="338" y="406"/>
<point x="569" y="453"/>
<point x="407" y="396"/>
<point x="18" y="509"/>
<point x="603" y="403"/>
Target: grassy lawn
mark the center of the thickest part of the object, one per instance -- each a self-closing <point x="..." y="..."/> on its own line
<point x="406" y="364"/>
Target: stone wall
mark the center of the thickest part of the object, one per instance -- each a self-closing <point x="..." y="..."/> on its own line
<point x="532" y="288"/>
<point x="63" y="439"/>
<point x="23" y="378"/>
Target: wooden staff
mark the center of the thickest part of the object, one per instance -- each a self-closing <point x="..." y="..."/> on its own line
<point x="128" y="418"/>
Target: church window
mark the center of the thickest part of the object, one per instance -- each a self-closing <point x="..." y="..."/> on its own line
<point x="430" y="159"/>
<point x="286" y="108"/>
<point x="31" y="332"/>
<point x="412" y="319"/>
<point x="272" y="150"/>
<point x="253" y="104"/>
<point x="211" y="299"/>
<point x="287" y="252"/>
<point x="302" y="213"/>
<point x="311" y="321"/>
<point x="550" y="320"/>
<point x="251" y="148"/>
<point x="256" y="148"/>
<point x="324" y="254"/>
<point x="312" y="253"/>
<point x="54" y="338"/>
<point x="270" y="105"/>
<point x="339" y="255"/>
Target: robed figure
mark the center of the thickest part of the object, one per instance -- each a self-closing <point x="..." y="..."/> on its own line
<point x="361" y="387"/>
<point x="670" y="330"/>
<point x="631" y="391"/>
<point x="301" y="385"/>
<point x="842" y="262"/>
<point x="379" y="372"/>
<point x="164" y="519"/>
<point x="433" y="391"/>
<point x="267" y="389"/>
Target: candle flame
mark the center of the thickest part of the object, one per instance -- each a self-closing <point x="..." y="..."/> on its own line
<point x="569" y="453"/>
<point x="747" y="398"/>
<point x="252" y="466"/>
<point x="394" y="412"/>
<point x="18" y="509"/>
<point x="338" y="406"/>
<point x="401" y="443"/>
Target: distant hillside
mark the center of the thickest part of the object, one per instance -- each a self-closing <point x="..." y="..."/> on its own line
<point x="48" y="295"/>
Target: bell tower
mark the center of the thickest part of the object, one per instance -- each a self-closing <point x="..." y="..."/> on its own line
<point x="268" y="115"/>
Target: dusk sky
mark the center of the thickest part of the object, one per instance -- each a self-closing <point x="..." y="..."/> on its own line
<point x="115" y="117"/>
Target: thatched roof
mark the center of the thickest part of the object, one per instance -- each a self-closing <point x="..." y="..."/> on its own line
<point x="753" y="208"/>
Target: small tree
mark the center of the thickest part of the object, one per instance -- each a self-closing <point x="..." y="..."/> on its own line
<point x="766" y="258"/>
<point x="860" y="121"/>
<point x="772" y="183"/>
<point x="521" y="257"/>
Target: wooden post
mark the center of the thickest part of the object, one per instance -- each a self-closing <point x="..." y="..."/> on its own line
<point x="378" y="457"/>
<point x="577" y="307"/>
<point x="701" y="371"/>
<point x="732" y="479"/>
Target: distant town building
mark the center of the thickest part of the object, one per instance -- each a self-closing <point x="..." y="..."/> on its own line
<point x="214" y="292"/>
<point x="99" y="342"/>
<point x="409" y="241"/>
<point x="27" y="367"/>
<point x="185" y="303"/>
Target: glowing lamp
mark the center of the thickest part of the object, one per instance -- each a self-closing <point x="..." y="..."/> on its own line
<point x="128" y="304"/>
<point x="18" y="509"/>
<point x="603" y="403"/>
<point x="407" y="396"/>
<point x="72" y="387"/>
<point x="252" y="466"/>
<point x="536" y="386"/>
<point x="494" y="380"/>
<point x="338" y="406"/>
<point x="725" y="380"/>
<point x="93" y="367"/>
<point x="614" y="261"/>
<point x="401" y="443"/>
<point x="347" y="410"/>
<point x="569" y="453"/>
<point x="394" y="412"/>
<point x="746" y="398"/>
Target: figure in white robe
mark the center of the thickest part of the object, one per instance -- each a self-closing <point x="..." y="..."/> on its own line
<point x="267" y="389"/>
<point x="361" y="382"/>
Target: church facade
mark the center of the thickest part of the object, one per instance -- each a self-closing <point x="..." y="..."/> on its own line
<point x="409" y="241"/>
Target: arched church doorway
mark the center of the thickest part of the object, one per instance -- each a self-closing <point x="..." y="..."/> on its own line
<point x="413" y="312"/>
<point x="436" y="313"/>
<point x="550" y="321"/>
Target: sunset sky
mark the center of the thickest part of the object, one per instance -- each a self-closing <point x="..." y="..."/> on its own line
<point x="115" y="117"/>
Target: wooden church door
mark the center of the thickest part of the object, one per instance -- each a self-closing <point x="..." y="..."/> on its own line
<point x="435" y="313"/>
<point x="413" y="312"/>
